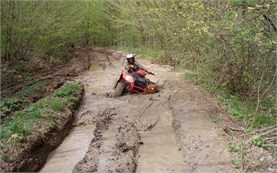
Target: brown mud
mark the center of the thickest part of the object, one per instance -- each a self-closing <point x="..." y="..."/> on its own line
<point x="168" y="131"/>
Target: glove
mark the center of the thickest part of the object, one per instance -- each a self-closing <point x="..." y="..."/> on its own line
<point x="150" y="73"/>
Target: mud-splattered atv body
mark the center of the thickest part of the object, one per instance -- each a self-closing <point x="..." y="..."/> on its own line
<point x="134" y="82"/>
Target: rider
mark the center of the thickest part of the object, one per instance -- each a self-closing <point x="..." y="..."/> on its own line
<point x="131" y="65"/>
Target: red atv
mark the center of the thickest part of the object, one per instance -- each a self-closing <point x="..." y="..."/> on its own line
<point x="134" y="82"/>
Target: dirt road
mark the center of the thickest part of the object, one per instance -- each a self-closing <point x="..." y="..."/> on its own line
<point x="169" y="131"/>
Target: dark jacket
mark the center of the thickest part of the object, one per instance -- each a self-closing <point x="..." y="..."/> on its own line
<point x="137" y="66"/>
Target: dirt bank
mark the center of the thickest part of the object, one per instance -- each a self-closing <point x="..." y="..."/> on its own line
<point x="22" y="93"/>
<point x="27" y="148"/>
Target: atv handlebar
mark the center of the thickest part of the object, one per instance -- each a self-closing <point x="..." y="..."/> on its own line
<point x="150" y="73"/>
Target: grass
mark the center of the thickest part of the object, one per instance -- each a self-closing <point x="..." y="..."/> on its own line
<point x="13" y="103"/>
<point x="9" y="104"/>
<point x="215" y="119"/>
<point x="29" y="90"/>
<point x="68" y="91"/>
<point x="194" y="78"/>
<point x="38" y="116"/>
<point x="234" y="147"/>
<point x="243" y="108"/>
<point x="180" y="69"/>
<point x="57" y="105"/>
<point x="259" y="142"/>
<point x="236" y="163"/>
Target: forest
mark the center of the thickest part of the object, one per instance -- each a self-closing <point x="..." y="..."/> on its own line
<point x="229" y="46"/>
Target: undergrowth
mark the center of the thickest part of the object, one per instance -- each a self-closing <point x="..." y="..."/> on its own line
<point x="29" y="90"/>
<point x="240" y="107"/>
<point x="9" y="105"/>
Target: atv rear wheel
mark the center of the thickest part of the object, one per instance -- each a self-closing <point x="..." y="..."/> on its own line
<point x="118" y="91"/>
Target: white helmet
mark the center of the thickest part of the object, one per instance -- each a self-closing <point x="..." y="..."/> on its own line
<point x="130" y="55"/>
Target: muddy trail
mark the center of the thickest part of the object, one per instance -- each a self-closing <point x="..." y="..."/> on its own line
<point x="169" y="131"/>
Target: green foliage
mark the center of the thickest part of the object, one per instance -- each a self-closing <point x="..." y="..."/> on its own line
<point x="234" y="147"/>
<point x="215" y="119"/>
<point x="26" y="91"/>
<point x="38" y="115"/>
<point x="258" y="142"/>
<point x="180" y="69"/>
<point x="194" y="78"/>
<point x="57" y="105"/>
<point x="16" y="126"/>
<point x="263" y="121"/>
<point x="67" y="91"/>
<point x="236" y="163"/>
<point x="30" y="78"/>
<point x="41" y="32"/>
<point x="243" y="108"/>
<point x="9" y="104"/>
<point x="240" y="108"/>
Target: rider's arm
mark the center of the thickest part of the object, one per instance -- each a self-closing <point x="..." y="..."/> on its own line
<point x="141" y="67"/>
<point x="126" y="65"/>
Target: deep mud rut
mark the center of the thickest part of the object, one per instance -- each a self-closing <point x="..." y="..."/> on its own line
<point x="169" y="131"/>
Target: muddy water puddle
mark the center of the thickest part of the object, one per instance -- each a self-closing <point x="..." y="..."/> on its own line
<point x="159" y="152"/>
<point x="76" y="144"/>
<point x="73" y="149"/>
<point x="94" y="67"/>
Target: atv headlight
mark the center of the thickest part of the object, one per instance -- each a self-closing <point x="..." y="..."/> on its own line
<point x="129" y="78"/>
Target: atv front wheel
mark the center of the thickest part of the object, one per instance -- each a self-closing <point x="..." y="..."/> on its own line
<point x="118" y="91"/>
